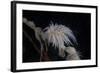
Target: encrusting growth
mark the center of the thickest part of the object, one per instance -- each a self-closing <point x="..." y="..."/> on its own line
<point x="58" y="36"/>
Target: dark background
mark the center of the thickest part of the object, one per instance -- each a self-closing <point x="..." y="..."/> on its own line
<point x="79" y="23"/>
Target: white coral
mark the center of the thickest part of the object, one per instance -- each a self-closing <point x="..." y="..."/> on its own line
<point x="59" y="35"/>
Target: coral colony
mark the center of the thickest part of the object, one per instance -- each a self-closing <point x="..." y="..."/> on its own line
<point x="58" y="36"/>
